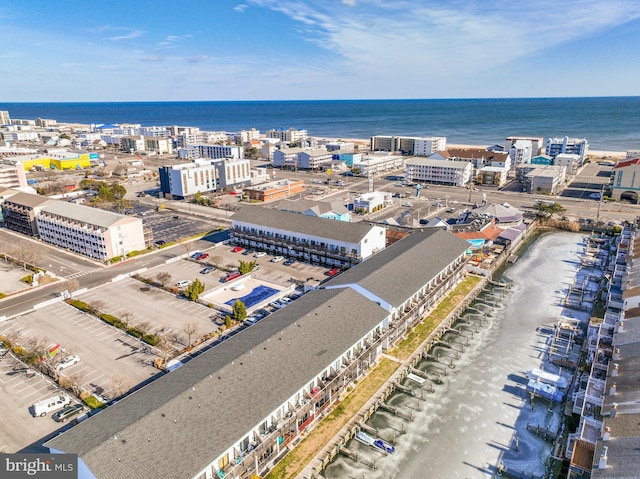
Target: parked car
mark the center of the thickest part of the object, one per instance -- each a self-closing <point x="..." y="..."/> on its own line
<point x="183" y="284"/>
<point x="333" y="272"/>
<point x="260" y="254"/>
<point x="68" y="412"/>
<point x="277" y="259"/>
<point x="41" y="408"/>
<point x="202" y="256"/>
<point x="230" y="276"/>
<point x="67" y="362"/>
<point x="207" y="270"/>
<point x="196" y="255"/>
<point x="407" y="204"/>
<point x="237" y="249"/>
<point x="289" y="262"/>
<point x="595" y="196"/>
<point x="160" y="242"/>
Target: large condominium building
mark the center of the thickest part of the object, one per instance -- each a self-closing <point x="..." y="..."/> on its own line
<point x="19" y="212"/>
<point x="291" y="135"/>
<point x="131" y="144"/>
<point x="576" y="146"/>
<point x="286" y="158"/>
<point x="541" y="178"/>
<point x="317" y="240"/>
<point x="187" y="179"/>
<point x="234" y="410"/>
<point x="246" y="136"/>
<point x="410" y="145"/>
<point x="92" y="232"/>
<point x="314" y="159"/>
<point x="571" y="162"/>
<point x="454" y="173"/>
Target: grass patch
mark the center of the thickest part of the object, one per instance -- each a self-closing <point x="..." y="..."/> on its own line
<point x="294" y="462"/>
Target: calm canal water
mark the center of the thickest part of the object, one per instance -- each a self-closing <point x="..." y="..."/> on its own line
<point x="470" y="423"/>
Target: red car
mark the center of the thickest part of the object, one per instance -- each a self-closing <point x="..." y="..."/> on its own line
<point x="231" y="276"/>
<point x="333" y="271"/>
<point x="237" y="249"/>
<point x="202" y="256"/>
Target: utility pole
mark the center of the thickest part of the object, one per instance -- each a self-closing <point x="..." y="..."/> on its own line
<point x="600" y="203"/>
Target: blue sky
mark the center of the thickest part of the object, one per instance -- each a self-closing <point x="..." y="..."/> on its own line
<point x="143" y="50"/>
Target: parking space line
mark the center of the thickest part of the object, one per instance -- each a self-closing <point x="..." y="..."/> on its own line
<point x="37" y="391"/>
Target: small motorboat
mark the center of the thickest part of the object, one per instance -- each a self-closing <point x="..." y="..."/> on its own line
<point x="364" y="438"/>
<point x="384" y="445"/>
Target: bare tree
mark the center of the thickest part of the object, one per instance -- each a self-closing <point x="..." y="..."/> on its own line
<point x="186" y="246"/>
<point x="27" y="252"/>
<point x="165" y="348"/>
<point x="120" y="386"/>
<point x="72" y="286"/>
<point x="97" y="305"/>
<point x="190" y="328"/>
<point x="163" y="278"/>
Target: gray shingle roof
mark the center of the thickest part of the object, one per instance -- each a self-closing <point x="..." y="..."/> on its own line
<point x="318" y="207"/>
<point x="28" y="200"/>
<point x="398" y="271"/>
<point x="310" y="225"/>
<point x="176" y="425"/>
<point x="85" y="214"/>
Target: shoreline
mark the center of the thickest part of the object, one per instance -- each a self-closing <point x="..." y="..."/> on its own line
<point x="590" y="154"/>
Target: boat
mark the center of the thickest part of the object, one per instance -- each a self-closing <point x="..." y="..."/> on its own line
<point x="416" y="378"/>
<point x="544" y="390"/>
<point x="548" y="378"/>
<point x="365" y="438"/>
<point x="384" y="445"/>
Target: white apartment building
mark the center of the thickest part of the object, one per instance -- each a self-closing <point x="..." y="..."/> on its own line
<point x="234" y="172"/>
<point x="541" y="178"/>
<point x="219" y="151"/>
<point x="291" y="135"/>
<point x="377" y="164"/>
<point x="22" y="135"/>
<point x="520" y="152"/>
<point x="247" y="135"/>
<point x="286" y="158"/>
<point x="454" y="173"/>
<point x="155" y="131"/>
<point x="131" y="144"/>
<point x="536" y="143"/>
<point x="410" y="145"/>
<point x="187" y="179"/>
<point x="570" y="161"/>
<point x="313" y="159"/>
<point x="577" y="146"/>
<point x="160" y="145"/>
<point x="91" y="232"/>
<point x="318" y="240"/>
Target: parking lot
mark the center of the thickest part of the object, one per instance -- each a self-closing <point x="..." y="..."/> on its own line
<point x="154" y="310"/>
<point x="111" y="362"/>
<point x="20" y="388"/>
<point x="10" y="276"/>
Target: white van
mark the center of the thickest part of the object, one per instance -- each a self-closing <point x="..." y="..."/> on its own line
<point x="41" y="408"/>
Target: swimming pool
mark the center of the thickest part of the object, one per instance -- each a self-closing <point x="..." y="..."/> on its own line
<point x="257" y="295"/>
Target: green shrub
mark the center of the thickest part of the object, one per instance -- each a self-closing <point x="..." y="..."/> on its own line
<point x="112" y="320"/>
<point x="151" y="339"/>
<point x="93" y="403"/>
<point x="3" y="295"/>
<point x="28" y="279"/>
<point x="133" y="331"/>
<point x="81" y="305"/>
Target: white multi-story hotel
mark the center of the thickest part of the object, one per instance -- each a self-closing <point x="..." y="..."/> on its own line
<point x="410" y="145"/>
<point x="369" y="202"/>
<point x="12" y="175"/>
<point x="286" y="158"/>
<point x="536" y="143"/>
<point x="576" y="146"/>
<point x="202" y="175"/>
<point x="247" y="135"/>
<point x="571" y="162"/>
<point x="5" y="119"/>
<point x="454" y="173"/>
<point x="376" y="164"/>
<point x="314" y="159"/>
<point x="291" y="135"/>
<point x="92" y="232"/>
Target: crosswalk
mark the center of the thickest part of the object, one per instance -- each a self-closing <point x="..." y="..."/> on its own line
<point x="80" y="274"/>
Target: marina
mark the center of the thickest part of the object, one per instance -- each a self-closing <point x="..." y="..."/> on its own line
<point x="489" y="386"/>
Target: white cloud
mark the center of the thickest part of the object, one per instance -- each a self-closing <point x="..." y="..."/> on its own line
<point x="127" y="36"/>
<point x="241" y="7"/>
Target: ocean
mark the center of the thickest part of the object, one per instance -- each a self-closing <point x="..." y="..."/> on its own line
<point x="609" y="123"/>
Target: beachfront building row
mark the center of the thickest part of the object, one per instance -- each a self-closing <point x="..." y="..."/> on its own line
<point x="409" y="145"/>
<point x="236" y="409"/>
<point x="290" y="135"/>
<point x="606" y="443"/>
<point x="315" y="240"/>
<point x="441" y="172"/>
<point x="91" y="232"/>
<point x="574" y="146"/>
<point x="203" y="175"/>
